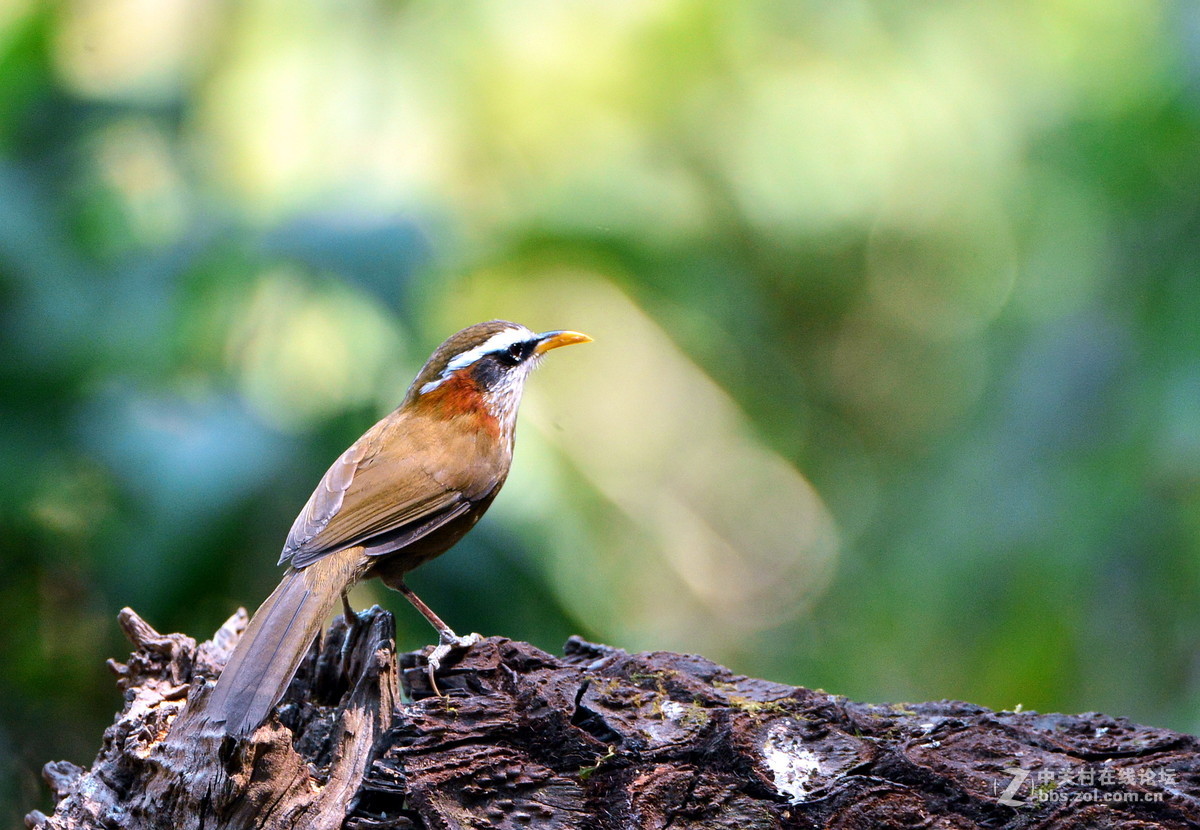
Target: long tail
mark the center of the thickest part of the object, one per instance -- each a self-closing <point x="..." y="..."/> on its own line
<point x="275" y="641"/>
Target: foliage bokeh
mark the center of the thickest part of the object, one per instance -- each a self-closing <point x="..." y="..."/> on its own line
<point x="897" y="375"/>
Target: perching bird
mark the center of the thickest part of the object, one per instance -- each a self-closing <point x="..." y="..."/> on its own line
<point x="403" y="493"/>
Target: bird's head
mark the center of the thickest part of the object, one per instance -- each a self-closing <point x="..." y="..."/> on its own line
<point x="482" y="369"/>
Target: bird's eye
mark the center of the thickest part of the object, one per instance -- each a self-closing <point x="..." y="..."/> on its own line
<point x="513" y="355"/>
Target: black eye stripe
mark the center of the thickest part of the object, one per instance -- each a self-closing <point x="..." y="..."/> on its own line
<point x="515" y="353"/>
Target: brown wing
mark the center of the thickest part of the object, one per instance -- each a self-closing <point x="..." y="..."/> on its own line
<point x="391" y="487"/>
<point x="375" y="497"/>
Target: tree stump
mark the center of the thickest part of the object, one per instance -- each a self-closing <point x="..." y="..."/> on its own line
<point x="597" y="738"/>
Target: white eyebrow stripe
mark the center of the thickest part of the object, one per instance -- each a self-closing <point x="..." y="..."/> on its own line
<point x="497" y="342"/>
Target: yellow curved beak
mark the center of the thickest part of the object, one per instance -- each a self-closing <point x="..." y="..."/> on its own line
<point x="553" y="339"/>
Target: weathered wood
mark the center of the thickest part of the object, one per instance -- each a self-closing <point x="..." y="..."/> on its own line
<point x="595" y="739"/>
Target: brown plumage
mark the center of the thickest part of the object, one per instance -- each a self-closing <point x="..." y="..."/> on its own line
<point x="403" y="493"/>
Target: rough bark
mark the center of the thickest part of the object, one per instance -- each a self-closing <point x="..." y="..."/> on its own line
<point x="599" y="739"/>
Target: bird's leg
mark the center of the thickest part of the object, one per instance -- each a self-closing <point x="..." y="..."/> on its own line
<point x="447" y="639"/>
<point x="351" y="618"/>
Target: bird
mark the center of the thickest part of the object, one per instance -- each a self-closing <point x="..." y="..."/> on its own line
<point x="402" y="494"/>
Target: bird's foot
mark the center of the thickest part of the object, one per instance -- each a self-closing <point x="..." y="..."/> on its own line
<point x="447" y="642"/>
<point x="350" y="616"/>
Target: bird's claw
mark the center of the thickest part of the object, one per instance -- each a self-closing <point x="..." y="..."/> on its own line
<point x="351" y="618"/>
<point x="447" y="642"/>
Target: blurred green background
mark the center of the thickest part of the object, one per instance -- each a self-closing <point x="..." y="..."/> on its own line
<point x="896" y="381"/>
